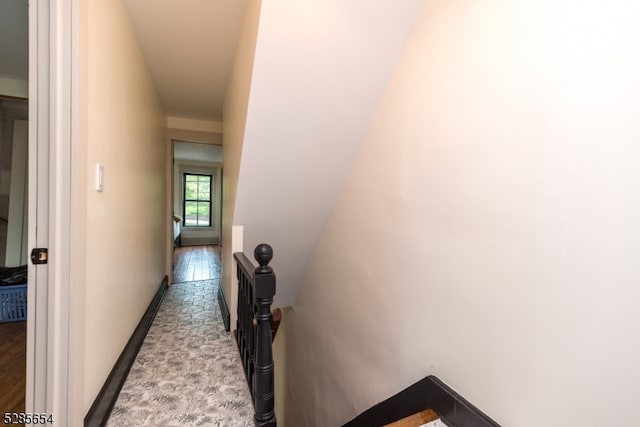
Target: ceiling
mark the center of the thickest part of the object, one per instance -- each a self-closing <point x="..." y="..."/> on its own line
<point x="14" y="39"/>
<point x="189" y="46"/>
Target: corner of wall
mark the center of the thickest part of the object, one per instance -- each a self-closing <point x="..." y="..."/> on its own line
<point x="236" y="105"/>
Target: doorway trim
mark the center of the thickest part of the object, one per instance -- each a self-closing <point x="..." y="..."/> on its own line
<point x="53" y="355"/>
<point x="177" y="132"/>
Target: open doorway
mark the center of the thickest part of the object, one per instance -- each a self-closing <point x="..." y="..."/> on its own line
<point x="14" y="110"/>
<point x="197" y="211"/>
<point x="13" y="253"/>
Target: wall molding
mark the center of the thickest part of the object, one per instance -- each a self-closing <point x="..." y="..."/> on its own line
<point x="428" y="393"/>
<point x="99" y="412"/>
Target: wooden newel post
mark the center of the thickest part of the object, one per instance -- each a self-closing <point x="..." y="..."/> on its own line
<point x="265" y="289"/>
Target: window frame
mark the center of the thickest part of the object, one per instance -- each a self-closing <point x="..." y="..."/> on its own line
<point x="185" y="200"/>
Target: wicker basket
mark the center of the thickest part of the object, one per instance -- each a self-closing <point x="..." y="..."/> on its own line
<point x="13" y="303"/>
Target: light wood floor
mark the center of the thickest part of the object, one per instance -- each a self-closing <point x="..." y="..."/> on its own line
<point x="193" y="263"/>
<point x="13" y="366"/>
<point x="416" y="420"/>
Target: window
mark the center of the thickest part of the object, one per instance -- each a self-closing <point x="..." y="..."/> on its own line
<point x="197" y="200"/>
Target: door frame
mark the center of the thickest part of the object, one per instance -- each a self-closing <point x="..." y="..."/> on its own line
<point x="182" y="134"/>
<point x="54" y="376"/>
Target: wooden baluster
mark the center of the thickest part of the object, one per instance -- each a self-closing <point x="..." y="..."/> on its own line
<point x="237" y="332"/>
<point x="240" y="331"/>
<point x="245" y="313"/>
<point x="243" y="325"/>
<point x="248" y="329"/>
<point x="251" y="336"/>
<point x="265" y="289"/>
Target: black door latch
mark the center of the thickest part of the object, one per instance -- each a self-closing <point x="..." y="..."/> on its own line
<point x="40" y="255"/>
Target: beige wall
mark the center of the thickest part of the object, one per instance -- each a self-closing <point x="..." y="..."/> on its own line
<point x="314" y="91"/>
<point x="12" y="111"/>
<point x="234" y="118"/>
<point x="488" y="231"/>
<point x="122" y="127"/>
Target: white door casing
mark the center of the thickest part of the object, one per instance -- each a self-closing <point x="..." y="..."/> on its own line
<point x="51" y="305"/>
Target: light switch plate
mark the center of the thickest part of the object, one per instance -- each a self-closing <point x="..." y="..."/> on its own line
<point x="99" y="177"/>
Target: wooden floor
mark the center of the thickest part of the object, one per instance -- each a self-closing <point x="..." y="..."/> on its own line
<point x="193" y="263"/>
<point x="13" y="366"/>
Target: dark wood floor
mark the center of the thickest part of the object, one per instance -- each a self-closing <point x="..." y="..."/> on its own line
<point x="193" y="263"/>
<point x="13" y="366"/>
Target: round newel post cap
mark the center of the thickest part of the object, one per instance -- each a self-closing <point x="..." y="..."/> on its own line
<point x="263" y="254"/>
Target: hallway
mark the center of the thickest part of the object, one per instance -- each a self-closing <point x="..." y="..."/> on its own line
<point x="188" y="371"/>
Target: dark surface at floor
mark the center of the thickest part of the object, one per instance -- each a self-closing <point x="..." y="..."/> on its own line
<point x="13" y="366"/>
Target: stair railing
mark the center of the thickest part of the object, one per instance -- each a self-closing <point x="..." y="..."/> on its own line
<point x="256" y="288"/>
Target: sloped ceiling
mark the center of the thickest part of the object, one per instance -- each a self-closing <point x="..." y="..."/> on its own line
<point x="189" y="47"/>
<point x="320" y="69"/>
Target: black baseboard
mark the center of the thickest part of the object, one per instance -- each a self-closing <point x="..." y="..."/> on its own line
<point x="101" y="409"/>
<point x="224" y="309"/>
<point x="428" y="393"/>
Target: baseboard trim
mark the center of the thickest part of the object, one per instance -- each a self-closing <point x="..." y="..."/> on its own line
<point x="99" y="412"/>
<point x="224" y="309"/>
<point x="428" y="393"/>
<point x="198" y="241"/>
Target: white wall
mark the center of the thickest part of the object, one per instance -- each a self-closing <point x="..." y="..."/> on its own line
<point x="488" y="231"/>
<point x="14" y="87"/>
<point x="13" y="116"/>
<point x="122" y="127"/>
<point x="196" y="125"/>
<point x="17" y="225"/>
<point x="234" y="119"/>
<point x="320" y="70"/>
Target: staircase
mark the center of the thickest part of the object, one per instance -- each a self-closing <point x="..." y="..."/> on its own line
<point x="429" y="402"/>
<point x="426" y="418"/>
